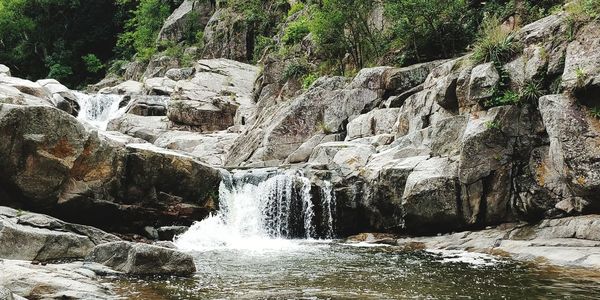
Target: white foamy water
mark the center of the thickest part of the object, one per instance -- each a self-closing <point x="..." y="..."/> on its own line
<point x="262" y="209"/>
<point x="98" y="109"/>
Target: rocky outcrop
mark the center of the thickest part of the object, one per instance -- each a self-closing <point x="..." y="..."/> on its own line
<point x="30" y="236"/>
<point x="190" y="15"/>
<point x="226" y="36"/>
<point x="76" y="280"/>
<point x="52" y="163"/>
<point x="569" y="242"/>
<point x="143" y="259"/>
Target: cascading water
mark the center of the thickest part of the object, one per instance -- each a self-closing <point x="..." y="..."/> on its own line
<point x="262" y="209"/>
<point x="98" y="109"/>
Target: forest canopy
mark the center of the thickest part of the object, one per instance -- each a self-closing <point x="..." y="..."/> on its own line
<point x="76" y="41"/>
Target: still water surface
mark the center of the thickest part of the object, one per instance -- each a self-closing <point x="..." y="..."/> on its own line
<point x="329" y="270"/>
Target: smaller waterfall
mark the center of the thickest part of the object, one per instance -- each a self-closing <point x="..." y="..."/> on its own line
<point x="98" y="109"/>
<point x="329" y="207"/>
<point x="262" y="208"/>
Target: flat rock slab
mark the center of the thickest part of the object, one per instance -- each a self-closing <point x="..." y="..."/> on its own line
<point x="76" y="280"/>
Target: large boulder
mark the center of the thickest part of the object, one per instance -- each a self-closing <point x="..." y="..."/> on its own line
<point x="143" y="259"/>
<point x="430" y="201"/>
<point x="30" y="236"/>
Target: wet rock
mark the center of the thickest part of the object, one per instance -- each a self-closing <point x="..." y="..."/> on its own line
<point x="167" y="233"/>
<point x="143" y="259"/>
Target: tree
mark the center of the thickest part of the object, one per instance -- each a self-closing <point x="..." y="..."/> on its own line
<point x="342" y="27"/>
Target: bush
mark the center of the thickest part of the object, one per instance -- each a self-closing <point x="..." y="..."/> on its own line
<point x="261" y="43"/>
<point x="308" y="80"/>
<point x="92" y="63"/>
<point x="298" y="6"/>
<point x="296" y="70"/>
<point x="295" y="32"/>
<point x="495" y="43"/>
<point x="595" y="112"/>
<point x="507" y="97"/>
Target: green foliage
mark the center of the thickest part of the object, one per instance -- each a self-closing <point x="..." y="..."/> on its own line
<point x="298" y="6"/>
<point x="296" y="70"/>
<point x="495" y="43"/>
<point x="308" y="80"/>
<point x="428" y="29"/>
<point x="261" y="44"/>
<point x="507" y="97"/>
<point x="581" y="76"/>
<point x="49" y="38"/>
<point x="492" y="125"/>
<point x="142" y="29"/>
<point x="532" y="91"/>
<point x="342" y="26"/>
<point x="595" y="112"/>
<point x="296" y="31"/>
<point x="92" y="63"/>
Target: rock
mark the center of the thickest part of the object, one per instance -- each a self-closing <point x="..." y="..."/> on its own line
<point x="180" y="74"/>
<point x="92" y="177"/>
<point x="75" y="280"/>
<point x="160" y="86"/>
<point x="148" y="105"/>
<point x="191" y="13"/>
<point x="167" y="233"/>
<point x="159" y="65"/>
<point x="225" y="36"/>
<point x="582" y="65"/>
<point x="143" y="127"/>
<point x="181" y="186"/>
<point x="134" y="70"/>
<point x="41" y="139"/>
<point x="430" y="200"/>
<point x="129" y="87"/>
<point x="27" y="87"/>
<point x="35" y="237"/>
<point x="343" y="156"/>
<point x="564" y="242"/>
<point x="279" y="135"/>
<point x="4" y="70"/>
<point x="397" y="80"/>
<point x="574" y="147"/>
<point x="212" y="114"/>
<point x="377" y="121"/>
<point x="208" y="148"/>
<point x="484" y="78"/>
<point x="143" y="259"/>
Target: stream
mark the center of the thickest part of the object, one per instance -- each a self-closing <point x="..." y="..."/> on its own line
<point x="270" y="240"/>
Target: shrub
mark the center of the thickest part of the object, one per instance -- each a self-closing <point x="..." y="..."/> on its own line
<point x="308" y="80"/>
<point x="298" y="6"/>
<point x="92" y="63"/>
<point x="296" y="70"/>
<point x="295" y="32"/>
<point x="507" y="97"/>
<point x="495" y="43"/>
<point x="595" y="112"/>
<point x="532" y="90"/>
<point x="581" y="76"/>
<point x="261" y="43"/>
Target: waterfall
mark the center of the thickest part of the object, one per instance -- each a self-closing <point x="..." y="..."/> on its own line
<point x="329" y="207"/>
<point x="98" y="109"/>
<point x="262" y="208"/>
